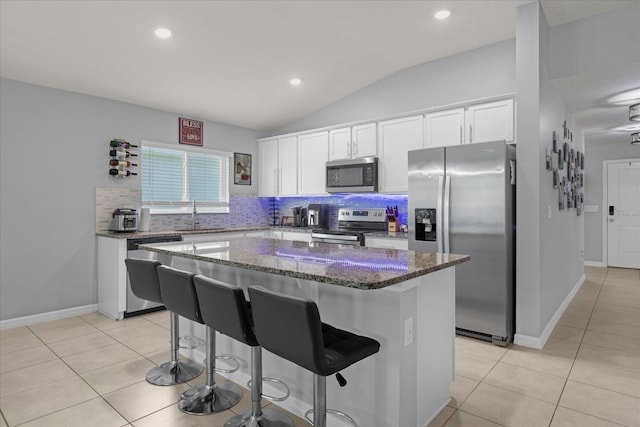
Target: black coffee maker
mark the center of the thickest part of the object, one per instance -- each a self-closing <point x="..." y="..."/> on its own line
<point x="299" y="216"/>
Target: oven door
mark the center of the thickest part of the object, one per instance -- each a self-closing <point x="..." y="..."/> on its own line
<point x="353" y="239"/>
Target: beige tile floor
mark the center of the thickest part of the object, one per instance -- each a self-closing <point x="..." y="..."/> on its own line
<point x="89" y="371"/>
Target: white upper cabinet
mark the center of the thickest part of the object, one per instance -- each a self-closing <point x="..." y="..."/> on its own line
<point x="397" y="137"/>
<point x="492" y="121"/>
<point x="288" y="163"/>
<point x="278" y="160"/>
<point x="444" y="128"/>
<point x="268" y="167"/>
<point x="353" y="142"/>
<point x="312" y="158"/>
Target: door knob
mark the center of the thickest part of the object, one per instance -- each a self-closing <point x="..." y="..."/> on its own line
<point x="610" y="219"/>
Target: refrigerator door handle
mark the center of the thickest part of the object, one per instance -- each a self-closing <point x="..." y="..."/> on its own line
<point x="445" y="213"/>
<point x="439" y="216"/>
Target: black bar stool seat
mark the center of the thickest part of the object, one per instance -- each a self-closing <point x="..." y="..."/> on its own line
<point x="290" y="327"/>
<point x="143" y="276"/>
<point x="225" y="309"/>
<point x="179" y="295"/>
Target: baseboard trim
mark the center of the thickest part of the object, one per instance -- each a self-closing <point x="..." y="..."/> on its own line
<point x="45" y="317"/>
<point x="539" y="342"/>
<point x="594" y="264"/>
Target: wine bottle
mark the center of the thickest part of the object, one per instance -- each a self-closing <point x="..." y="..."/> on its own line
<point x="126" y="164"/>
<point x="121" y="154"/>
<point x="118" y="172"/>
<point x="121" y="143"/>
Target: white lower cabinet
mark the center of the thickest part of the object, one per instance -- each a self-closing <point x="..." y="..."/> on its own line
<point x="298" y="236"/>
<point x="386" y="243"/>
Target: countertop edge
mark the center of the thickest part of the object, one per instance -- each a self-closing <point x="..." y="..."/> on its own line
<point x="318" y="278"/>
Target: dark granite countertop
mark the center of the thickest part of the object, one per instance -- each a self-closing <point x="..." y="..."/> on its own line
<point x="343" y="265"/>
<point x="171" y="233"/>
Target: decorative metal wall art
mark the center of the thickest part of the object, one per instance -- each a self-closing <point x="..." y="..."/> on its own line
<point x="570" y="185"/>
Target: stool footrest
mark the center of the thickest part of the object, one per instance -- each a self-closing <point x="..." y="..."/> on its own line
<point x="190" y="342"/>
<point x="276" y="381"/>
<point x="230" y="359"/>
<point x="307" y="416"/>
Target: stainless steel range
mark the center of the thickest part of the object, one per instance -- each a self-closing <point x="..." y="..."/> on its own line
<point x="353" y="224"/>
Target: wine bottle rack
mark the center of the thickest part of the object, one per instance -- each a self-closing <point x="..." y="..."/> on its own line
<point x="122" y="161"/>
<point x="274" y="212"/>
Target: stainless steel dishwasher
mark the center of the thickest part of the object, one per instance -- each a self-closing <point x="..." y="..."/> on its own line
<point x="136" y="305"/>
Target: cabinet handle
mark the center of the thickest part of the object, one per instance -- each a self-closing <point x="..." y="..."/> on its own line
<point x="461" y="141"/>
<point x="348" y="150"/>
<point x="355" y="147"/>
<point x="275" y="181"/>
<point x="470" y="133"/>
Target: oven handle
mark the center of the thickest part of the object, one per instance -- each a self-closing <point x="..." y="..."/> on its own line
<point x="333" y="237"/>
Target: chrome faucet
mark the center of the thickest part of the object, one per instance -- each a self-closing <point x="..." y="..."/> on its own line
<point x="193" y="215"/>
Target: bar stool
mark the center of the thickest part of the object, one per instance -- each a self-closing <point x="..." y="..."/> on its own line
<point x="225" y="309"/>
<point x="179" y="295"/>
<point x="143" y="277"/>
<point x="290" y="327"/>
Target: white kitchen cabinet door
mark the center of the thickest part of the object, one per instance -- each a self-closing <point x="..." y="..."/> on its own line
<point x="288" y="166"/>
<point x="492" y="121"/>
<point x="364" y="142"/>
<point x="268" y="168"/>
<point x="387" y="243"/>
<point x="340" y="144"/>
<point x="312" y="158"/>
<point x="444" y="128"/>
<point x="397" y="137"/>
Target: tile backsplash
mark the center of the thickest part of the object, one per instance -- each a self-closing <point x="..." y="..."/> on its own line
<point x="244" y="210"/>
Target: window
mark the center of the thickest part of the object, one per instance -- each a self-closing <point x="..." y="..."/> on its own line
<point x="172" y="178"/>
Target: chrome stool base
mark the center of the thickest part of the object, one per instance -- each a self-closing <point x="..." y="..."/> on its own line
<point x="269" y="418"/>
<point x="207" y="399"/>
<point x="174" y="372"/>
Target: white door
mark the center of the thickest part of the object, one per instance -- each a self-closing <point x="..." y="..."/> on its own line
<point x="397" y="137"/>
<point x="444" y="128"/>
<point x="488" y="122"/>
<point x="312" y="158"/>
<point x="340" y="144"/>
<point x="268" y="168"/>
<point x="623" y="214"/>
<point x="288" y="165"/>
<point x="365" y="143"/>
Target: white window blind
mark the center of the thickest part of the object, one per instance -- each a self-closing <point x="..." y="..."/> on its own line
<point x="173" y="178"/>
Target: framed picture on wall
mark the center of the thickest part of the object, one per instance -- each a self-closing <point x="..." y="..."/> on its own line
<point x="242" y="169"/>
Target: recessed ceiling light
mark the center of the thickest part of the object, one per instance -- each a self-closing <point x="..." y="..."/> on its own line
<point x="442" y="14"/>
<point x="295" y="81"/>
<point x="162" y="33"/>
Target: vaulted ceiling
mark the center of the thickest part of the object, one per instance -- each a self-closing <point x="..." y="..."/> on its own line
<point x="230" y="61"/>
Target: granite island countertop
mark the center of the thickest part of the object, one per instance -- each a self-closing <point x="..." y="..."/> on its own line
<point x="342" y="265"/>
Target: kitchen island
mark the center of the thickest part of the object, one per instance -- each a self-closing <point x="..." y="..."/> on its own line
<point x="403" y="299"/>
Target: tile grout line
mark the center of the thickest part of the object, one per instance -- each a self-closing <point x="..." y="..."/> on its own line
<point x="575" y="357"/>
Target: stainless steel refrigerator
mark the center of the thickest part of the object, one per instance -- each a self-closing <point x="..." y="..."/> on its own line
<point x="462" y="200"/>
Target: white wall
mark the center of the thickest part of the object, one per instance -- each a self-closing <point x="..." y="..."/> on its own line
<point x="549" y="262"/>
<point x="484" y="72"/>
<point x="53" y="153"/>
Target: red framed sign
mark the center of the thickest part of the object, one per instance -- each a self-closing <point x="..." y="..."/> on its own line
<point x="190" y="131"/>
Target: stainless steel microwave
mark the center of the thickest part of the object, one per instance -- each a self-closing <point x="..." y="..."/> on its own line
<point x="352" y="175"/>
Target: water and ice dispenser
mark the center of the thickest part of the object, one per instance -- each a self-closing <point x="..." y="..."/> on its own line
<point x="425" y="226"/>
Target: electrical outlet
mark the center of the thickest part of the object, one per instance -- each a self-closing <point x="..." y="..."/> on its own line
<point x="408" y="331"/>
